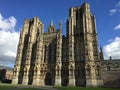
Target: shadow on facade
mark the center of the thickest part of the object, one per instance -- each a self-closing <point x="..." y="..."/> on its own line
<point x="48" y="79"/>
<point x="65" y="74"/>
<point x="33" y="58"/>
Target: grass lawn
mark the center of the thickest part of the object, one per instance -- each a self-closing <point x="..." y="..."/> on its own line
<point x="21" y="87"/>
<point x="17" y="88"/>
<point x="84" y="88"/>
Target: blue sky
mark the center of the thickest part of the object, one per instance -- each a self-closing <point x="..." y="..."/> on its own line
<point x="107" y="14"/>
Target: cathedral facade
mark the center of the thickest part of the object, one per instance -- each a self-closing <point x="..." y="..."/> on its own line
<point x="50" y="58"/>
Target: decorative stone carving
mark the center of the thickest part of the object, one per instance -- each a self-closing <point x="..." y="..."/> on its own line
<point x="88" y="70"/>
<point x="50" y="52"/>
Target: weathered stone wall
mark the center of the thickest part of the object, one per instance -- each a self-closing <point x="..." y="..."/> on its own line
<point x="111" y="78"/>
<point x="110" y="73"/>
<point x="6" y="73"/>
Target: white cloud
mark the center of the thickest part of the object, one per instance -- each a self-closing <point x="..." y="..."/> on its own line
<point x="8" y="40"/>
<point x="113" y="11"/>
<point x="112" y="49"/>
<point x="116" y="9"/>
<point x="117" y="27"/>
<point x="7" y="24"/>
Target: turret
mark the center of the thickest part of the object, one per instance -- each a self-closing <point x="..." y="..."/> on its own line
<point x="51" y="23"/>
<point x="86" y="7"/>
<point x="101" y="54"/>
<point x="51" y="27"/>
<point x="60" y="24"/>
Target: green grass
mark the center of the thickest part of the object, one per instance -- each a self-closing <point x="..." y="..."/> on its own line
<point x="29" y="89"/>
<point x="21" y="87"/>
<point x="6" y="88"/>
<point x="84" y="88"/>
<point x="17" y="88"/>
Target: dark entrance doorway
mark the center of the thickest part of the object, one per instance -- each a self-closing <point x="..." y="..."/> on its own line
<point x="65" y="81"/>
<point x="48" y="79"/>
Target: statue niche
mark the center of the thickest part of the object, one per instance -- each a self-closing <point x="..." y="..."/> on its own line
<point x="97" y="70"/>
<point x="88" y="70"/>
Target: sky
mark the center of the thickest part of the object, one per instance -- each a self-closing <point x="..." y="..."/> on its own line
<point x="14" y="12"/>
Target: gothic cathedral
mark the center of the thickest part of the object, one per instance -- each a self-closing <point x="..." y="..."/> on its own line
<point x="50" y="58"/>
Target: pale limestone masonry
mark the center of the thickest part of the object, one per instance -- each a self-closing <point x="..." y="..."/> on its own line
<point x="50" y="58"/>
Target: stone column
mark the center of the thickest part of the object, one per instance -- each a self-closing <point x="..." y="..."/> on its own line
<point x="71" y="49"/>
<point x="18" y="59"/>
<point x="38" y="61"/>
<point x="42" y="80"/>
<point x="36" y="77"/>
<point x="71" y="74"/>
<point x="27" y="64"/>
<point x="58" y="74"/>
<point x="91" y="48"/>
<point x="17" y="65"/>
<point x="25" y="77"/>
<point x="15" y="75"/>
<point x="46" y="54"/>
<point x="31" y="40"/>
<point x="58" y="59"/>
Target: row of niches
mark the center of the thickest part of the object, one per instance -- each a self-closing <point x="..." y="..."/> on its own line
<point x="114" y="66"/>
<point x="110" y="64"/>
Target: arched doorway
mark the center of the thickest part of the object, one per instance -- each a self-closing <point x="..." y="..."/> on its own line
<point x="48" y="79"/>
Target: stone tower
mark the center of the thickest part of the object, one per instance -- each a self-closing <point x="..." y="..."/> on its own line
<point x="83" y="46"/>
<point x="50" y="58"/>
